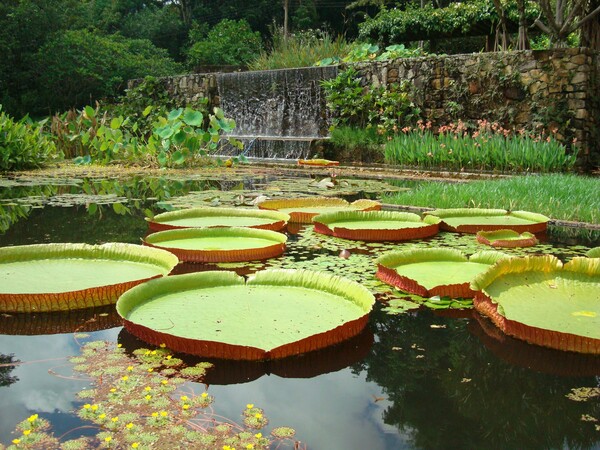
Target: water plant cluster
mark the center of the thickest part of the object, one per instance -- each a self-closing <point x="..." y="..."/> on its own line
<point x="485" y="146"/>
<point x="148" y="399"/>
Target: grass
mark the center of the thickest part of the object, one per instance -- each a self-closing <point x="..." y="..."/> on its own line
<point x="558" y="196"/>
<point x="299" y="51"/>
<point x="357" y="144"/>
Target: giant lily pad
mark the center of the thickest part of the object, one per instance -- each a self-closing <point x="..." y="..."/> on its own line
<point x="593" y="253"/>
<point x="302" y="210"/>
<point x="376" y="225"/>
<point x="472" y="220"/>
<point x="275" y="313"/>
<point x="432" y="272"/>
<point x="218" y="217"/>
<point x="542" y="301"/>
<point x="224" y="244"/>
<point x="59" y="277"/>
<point x="506" y="238"/>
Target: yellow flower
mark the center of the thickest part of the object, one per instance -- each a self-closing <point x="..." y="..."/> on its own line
<point x="258" y="435"/>
<point x="186" y="406"/>
<point x="204" y="394"/>
<point x="108" y="438"/>
<point x="164" y="381"/>
<point x="250" y="446"/>
<point x="86" y="406"/>
<point x="164" y="413"/>
<point x="26" y="432"/>
<point x="258" y="415"/>
<point x="125" y="378"/>
<point x="32" y="418"/>
<point x="169" y="356"/>
<point x="162" y="345"/>
<point x="119" y="345"/>
<point x="16" y="441"/>
<point x="184" y="398"/>
<point x="153" y="352"/>
<point x="148" y="397"/>
<point x="147" y="353"/>
<point x="130" y="369"/>
<point x="102" y="416"/>
<point x="155" y="414"/>
<point x="135" y="445"/>
<point x="147" y="388"/>
<point x="150" y="369"/>
<point x="250" y="405"/>
<point x="115" y="419"/>
<point x="129" y="426"/>
<point x="94" y="407"/>
<point x="226" y="447"/>
<point x="113" y="390"/>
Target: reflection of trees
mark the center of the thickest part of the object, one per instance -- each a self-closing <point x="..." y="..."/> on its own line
<point x="459" y="395"/>
<point x="7" y="364"/>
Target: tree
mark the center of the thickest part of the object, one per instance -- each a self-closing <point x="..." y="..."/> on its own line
<point x="230" y="42"/>
<point x="567" y="16"/>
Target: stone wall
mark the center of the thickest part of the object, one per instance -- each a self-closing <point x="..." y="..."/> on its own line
<point x="544" y="90"/>
<point x="188" y="89"/>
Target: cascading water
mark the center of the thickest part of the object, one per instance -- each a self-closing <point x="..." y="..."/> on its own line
<point x="278" y="113"/>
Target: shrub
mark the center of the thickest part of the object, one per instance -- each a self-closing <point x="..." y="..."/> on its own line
<point x="78" y="66"/>
<point x="23" y="144"/>
<point x="357" y="144"/>
<point x="230" y="42"/>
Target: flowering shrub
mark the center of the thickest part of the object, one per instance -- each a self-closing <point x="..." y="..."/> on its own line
<point x="487" y="146"/>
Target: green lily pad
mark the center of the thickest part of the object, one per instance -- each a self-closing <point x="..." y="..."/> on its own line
<point x="435" y="271"/>
<point x="218" y="217"/>
<point x="302" y="210"/>
<point x="593" y="253"/>
<point x="472" y="220"/>
<point x="58" y="277"/>
<point x="542" y="301"/>
<point x="275" y="313"/>
<point x="506" y="238"/>
<point x="223" y="244"/>
<point x="375" y="225"/>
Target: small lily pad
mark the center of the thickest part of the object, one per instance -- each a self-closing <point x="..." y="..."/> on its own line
<point x="506" y="238"/>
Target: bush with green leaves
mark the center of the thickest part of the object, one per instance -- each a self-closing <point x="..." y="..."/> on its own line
<point x="79" y="65"/>
<point x="385" y="108"/>
<point x="230" y="42"/>
<point x="24" y="144"/>
<point x="182" y="137"/>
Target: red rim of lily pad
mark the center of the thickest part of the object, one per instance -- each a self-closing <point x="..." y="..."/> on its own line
<point x="388" y="264"/>
<point x="164" y="300"/>
<point x="506" y="238"/>
<point x="156" y="263"/>
<point x="489" y="220"/>
<point x="263" y="219"/>
<point x="375" y="225"/>
<point x="212" y="245"/>
<point x="318" y="162"/>
<point x="301" y="210"/>
<point x="524" y="272"/>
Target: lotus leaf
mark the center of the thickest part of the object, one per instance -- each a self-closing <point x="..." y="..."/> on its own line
<point x="59" y="277"/>
<point x="594" y="253"/>
<point x="542" y="301"/>
<point x="506" y="238"/>
<point x="218" y="217"/>
<point x="223" y="244"/>
<point x="434" y="271"/>
<point x="275" y="313"/>
<point x="472" y="220"/>
<point x="302" y="210"/>
<point x="375" y="225"/>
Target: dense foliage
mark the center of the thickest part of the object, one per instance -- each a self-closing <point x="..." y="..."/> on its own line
<point x="230" y="42"/>
<point x="23" y="145"/>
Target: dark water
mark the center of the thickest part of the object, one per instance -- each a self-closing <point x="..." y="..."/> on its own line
<point x="419" y="380"/>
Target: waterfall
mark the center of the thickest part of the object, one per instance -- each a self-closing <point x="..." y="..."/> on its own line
<point x="278" y="113"/>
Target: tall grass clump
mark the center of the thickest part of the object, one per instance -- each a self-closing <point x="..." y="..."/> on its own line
<point x="357" y="144"/>
<point x="488" y="146"/>
<point x="299" y="50"/>
<point x="559" y="196"/>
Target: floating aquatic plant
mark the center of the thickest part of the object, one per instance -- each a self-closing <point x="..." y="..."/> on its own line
<point x="472" y="220"/>
<point x="542" y="301"/>
<point x="302" y="210"/>
<point x="506" y="238"/>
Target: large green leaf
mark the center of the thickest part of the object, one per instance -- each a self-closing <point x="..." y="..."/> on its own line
<point x="47" y="277"/>
<point x="275" y="314"/>
<point x="302" y="210"/>
<point x="471" y="220"/>
<point x="193" y="118"/>
<point x="594" y="252"/>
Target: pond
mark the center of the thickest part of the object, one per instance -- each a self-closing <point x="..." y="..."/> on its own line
<point x="420" y="380"/>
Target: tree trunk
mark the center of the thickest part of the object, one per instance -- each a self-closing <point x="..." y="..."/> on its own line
<point x="590" y="30"/>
